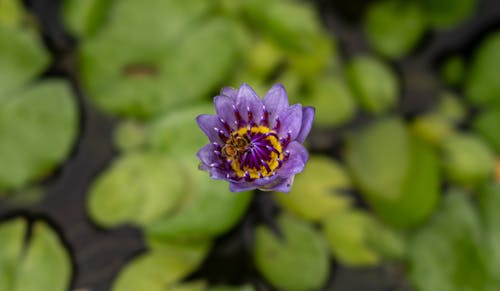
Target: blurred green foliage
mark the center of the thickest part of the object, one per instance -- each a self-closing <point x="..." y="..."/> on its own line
<point x="41" y="263"/>
<point x="155" y="65"/>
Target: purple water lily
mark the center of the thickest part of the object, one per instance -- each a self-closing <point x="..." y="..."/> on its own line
<point x="254" y="143"/>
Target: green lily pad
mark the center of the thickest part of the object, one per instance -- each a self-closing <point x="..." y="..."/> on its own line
<point x="346" y="233"/>
<point x="292" y="25"/>
<point x="11" y="245"/>
<point x="84" y="18"/>
<point x="138" y="188"/>
<point x="22" y="58"/>
<point x="37" y="130"/>
<point x="162" y="267"/>
<point x="447" y="13"/>
<point x="378" y="157"/>
<point x="11" y="13"/>
<point x="147" y="75"/>
<point x="178" y="133"/>
<point x="41" y="264"/>
<point x="299" y="261"/>
<point x="208" y="209"/>
<point x="487" y="124"/>
<point x="433" y="128"/>
<point x="130" y="135"/>
<point x="467" y="159"/>
<point x="446" y="254"/>
<point x="315" y="193"/>
<point x="453" y="70"/>
<point x="373" y="84"/>
<point x="397" y="173"/>
<point x="482" y="86"/>
<point x="394" y="27"/>
<point x="488" y="203"/>
<point x="332" y="99"/>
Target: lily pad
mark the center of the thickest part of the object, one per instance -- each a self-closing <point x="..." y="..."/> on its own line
<point x="208" y="209"/>
<point x="138" y="188"/>
<point x="446" y="254"/>
<point x="41" y="264"/>
<point x="487" y="124"/>
<point x="162" y="267"/>
<point x="482" y="87"/>
<point x="178" y="133"/>
<point x="147" y="75"/>
<point x="316" y="192"/>
<point x="346" y="233"/>
<point x="22" y="54"/>
<point x="373" y="84"/>
<point x="394" y="27"/>
<point x="332" y="99"/>
<point x="490" y="217"/>
<point x="447" y="13"/>
<point x="453" y="70"/>
<point x="292" y="25"/>
<point x="299" y="261"/>
<point x="84" y="18"/>
<point x="397" y="173"/>
<point x="378" y="157"/>
<point x="467" y="159"/>
<point x="37" y="130"/>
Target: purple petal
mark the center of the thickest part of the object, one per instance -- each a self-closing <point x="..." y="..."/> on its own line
<point x="243" y="186"/>
<point x="275" y="101"/>
<point x="229" y="92"/>
<point x="249" y="104"/>
<point x="290" y="122"/>
<point x="212" y="127"/>
<point x="209" y="161"/>
<point x="281" y="185"/>
<point x="224" y="107"/>
<point x="297" y="158"/>
<point x="307" y="121"/>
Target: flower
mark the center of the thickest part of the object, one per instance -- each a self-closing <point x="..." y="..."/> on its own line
<point x="254" y="143"/>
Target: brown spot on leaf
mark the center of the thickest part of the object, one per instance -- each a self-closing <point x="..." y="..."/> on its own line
<point x="140" y="70"/>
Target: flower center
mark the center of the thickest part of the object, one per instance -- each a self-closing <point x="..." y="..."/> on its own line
<point x="253" y="152"/>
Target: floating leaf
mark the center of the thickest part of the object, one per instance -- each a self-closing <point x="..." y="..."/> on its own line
<point x="487" y="124"/>
<point x="11" y="244"/>
<point x="84" y="18"/>
<point x="346" y="233"/>
<point x="299" y="261"/>
<point x="453" y="70"/>
<point x="489" y="201"/>
<point x="292" y="25"/>
<point x="395" y="27"/>
<point x="467" y="159"/>
<point x="373" y="83"/>
<point x="447" y="13"/>
<point x="145" y="79"/>
<point x="22" y="55"/>
<point x="138" y="188"/>
<point x="38" y="127"/>
<point x="398" y="174"/>
<point x="161" y="268"/>
<point x="178" y="133"/>
<point x="43" y="265"/>
<point x="11" y="13"/>
<point x="209" y="209"/>
<point x="446" y="254"/>
<point x="332" y="99"/>
<point x="315" y="193"/>
<point x="379" y="156"/>
<point x="129" y="135"/>
<point x="482" y="86"/>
